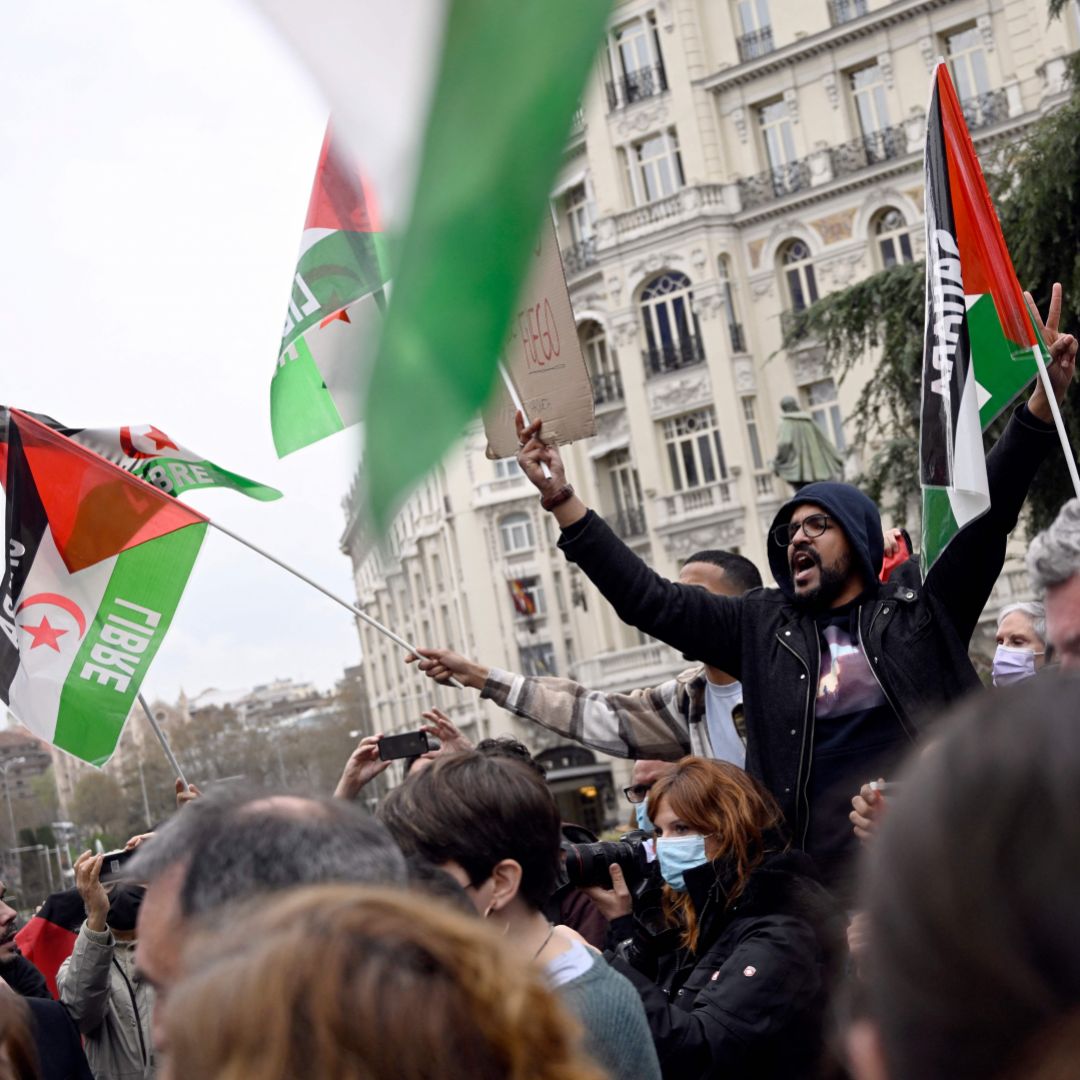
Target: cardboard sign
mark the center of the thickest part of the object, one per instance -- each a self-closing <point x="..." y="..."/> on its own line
<point x="543" y="360"/>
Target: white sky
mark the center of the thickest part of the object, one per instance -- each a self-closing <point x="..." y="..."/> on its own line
<point x="155" y="167"/>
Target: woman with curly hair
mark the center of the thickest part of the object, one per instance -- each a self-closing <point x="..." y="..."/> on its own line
<point x="345" y="982"/>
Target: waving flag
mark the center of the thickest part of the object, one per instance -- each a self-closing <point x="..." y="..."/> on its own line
<point x="147" y="452"/>
<point x="460" y="110"/>
<point x="97" y="560"/>
<point x="980" y="343"/>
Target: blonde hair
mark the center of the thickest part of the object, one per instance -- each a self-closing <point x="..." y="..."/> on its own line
<point x="346" y="982"/>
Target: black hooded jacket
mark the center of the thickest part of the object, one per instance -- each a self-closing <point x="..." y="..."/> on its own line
<point x="915" y="639"/>
<point x="750" y="1000"/>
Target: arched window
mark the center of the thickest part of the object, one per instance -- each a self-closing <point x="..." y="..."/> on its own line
<point x="893" y="237"/>
<point x="671" y="327"/>
<point x="516" y="531"/>
<point x="602" y="365"/>
<point x="798" y="275"/>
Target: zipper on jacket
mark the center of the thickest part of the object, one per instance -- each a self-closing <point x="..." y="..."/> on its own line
<point x="135" y="1009"/>
<point x="801" y="788"/>
<point x="881" y="685"/>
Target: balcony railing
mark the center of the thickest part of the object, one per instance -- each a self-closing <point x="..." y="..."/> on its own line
<point x="629" y="523"/>
<point x="636" y="86"/>
<point x="774" y="184"/>
<point x="983" y="110"/>
<point x="580" y="256"/>
<point x="842" y="11"/>
<point x="870" y="149"/>
<point x="695" y="502"/>
<point x="738" y="338"/>
<point x="756" y="43"/>
<point x="763" y="485"/>
<point x="672" y="355"/>
<point x="607" y="387"/>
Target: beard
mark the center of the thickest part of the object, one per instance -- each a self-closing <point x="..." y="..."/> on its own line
<point x="832" y="581"/>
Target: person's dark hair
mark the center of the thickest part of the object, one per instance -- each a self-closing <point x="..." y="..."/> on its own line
<point x="504" y="746"/>
<point x="235" y="844"/>
<point x="971" y="888"/>
<point x="739" y="570"/>
<point x="427" y="879"/>
<point x="478" y="810"/>
<point x="19" y="1054"/>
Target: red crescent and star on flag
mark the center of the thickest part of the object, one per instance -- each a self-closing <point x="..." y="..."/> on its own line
<point x="45" y="633"/>
<point x="152" y="434"/>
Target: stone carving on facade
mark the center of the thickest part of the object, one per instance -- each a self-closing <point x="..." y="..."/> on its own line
<point x="690" y="199"/>
<point x="624" y="333"/>
<point x="915" y="129"/>
<point x="672" y="395"/>
<point x="722" y="534"/>
<point x="791" y="100"/>
<point x="762" y="286"/>
<point x="754" y="248"/>
<point x="808" y="366"/>
<point x="606" y="231"/>
<point x="832" y="88"/>
<point x="743" y="371"/>
<point x="664" y="15"/>
<point x="639" y="120"/>
<point x="985" y="27"/>
<point x="699" y="260"/>
<point x="654" y="263"/>
<point x="835" y="227"/>
<point x="611" y="426"/>
<point x="885" y="63"/>
<point x="592" y="301"/>
<point x="738" y="118"/>
<point x="841" y="270"/>
<point x="614" y="287"/>
<point x="929" y="52"/>
<point x="708" y="302"/>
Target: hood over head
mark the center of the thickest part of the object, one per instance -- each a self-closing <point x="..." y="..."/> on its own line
<point x="856" y="514"/>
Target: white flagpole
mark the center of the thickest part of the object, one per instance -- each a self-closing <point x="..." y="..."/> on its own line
<point x="164" y="742"/>
<point x="1070" y="457"/>
<point x="515" y="397"/>
<point x="373" y="623"/>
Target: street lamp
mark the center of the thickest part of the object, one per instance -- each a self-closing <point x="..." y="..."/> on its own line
<point x="7" y="793"/>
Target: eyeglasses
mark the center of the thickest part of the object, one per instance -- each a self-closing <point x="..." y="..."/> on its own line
<point x="813" y="525"/>
<point x="637" y="792"/>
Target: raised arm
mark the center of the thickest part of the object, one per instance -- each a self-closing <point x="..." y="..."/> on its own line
<point x="700" y="625"/>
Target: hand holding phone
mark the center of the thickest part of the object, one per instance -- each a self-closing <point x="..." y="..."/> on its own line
<point x="410" y="744"/>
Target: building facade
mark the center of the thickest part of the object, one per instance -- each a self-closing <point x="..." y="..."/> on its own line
<point x="732" y="162"/>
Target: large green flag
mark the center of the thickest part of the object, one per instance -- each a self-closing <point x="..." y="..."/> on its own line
<point x="459" y="110"/>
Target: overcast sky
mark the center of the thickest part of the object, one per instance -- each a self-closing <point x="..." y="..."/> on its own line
<point x="155" y="166"/>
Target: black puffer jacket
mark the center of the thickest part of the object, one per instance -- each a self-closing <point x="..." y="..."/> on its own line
<point x="750" y="1001"/>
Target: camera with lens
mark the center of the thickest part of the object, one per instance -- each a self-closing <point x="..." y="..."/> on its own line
<point x="587" y="864"/>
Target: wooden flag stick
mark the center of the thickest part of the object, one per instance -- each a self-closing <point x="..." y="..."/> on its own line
<point x="1070" y="457"/>
<point x="164" y="742"/>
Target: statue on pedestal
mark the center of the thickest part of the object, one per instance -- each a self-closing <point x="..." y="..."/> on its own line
<point x="803" y="451"/>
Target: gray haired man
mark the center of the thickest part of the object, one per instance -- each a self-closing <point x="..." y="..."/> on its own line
<point x="1053" y="562"/>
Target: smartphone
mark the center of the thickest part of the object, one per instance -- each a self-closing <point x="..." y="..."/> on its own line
<point x="112" y="865"/>
<point x="885" y="787"/>
<point x="411" y="744"/>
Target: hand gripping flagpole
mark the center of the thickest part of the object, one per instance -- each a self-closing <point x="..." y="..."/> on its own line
<point x="1070" y="457"/>
<point x="164" y="742"/>
<point x="373" y="623"/>
<point x="515" y="397"/>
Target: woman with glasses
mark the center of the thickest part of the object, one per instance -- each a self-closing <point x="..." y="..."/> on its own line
<point x="733" y="962"/>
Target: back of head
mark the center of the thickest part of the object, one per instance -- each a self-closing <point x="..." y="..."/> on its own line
<point x="971" y="888"/>
<point x="235" y="844"/>
<point x="506" y="747"/>
<point x="477" y="810"/>
<point x="1054" y="555"/>
<point x="738" y="569"/>
<point x="348" y="983"/>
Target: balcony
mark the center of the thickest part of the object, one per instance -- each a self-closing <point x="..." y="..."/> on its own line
<point x="774" y="183"/>
<point x="984" y="110"/>
<point x="607" y="388"/>
<point x="842" y="11"/>
<point x="636" y="86"/>
<point x="695" y="503"/>
<point x="756" y="43"/>
<point x="629" y="523"/>
<point x="672" y="356"/>
<point x="504" y="489"/>
<point x="738" y="337"/>
<point x="869" y="149"/>
<point x="580" y="256"/>
<point x="624" y="669"/>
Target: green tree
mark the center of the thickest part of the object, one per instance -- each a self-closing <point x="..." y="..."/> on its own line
<point x="100" y="806"/>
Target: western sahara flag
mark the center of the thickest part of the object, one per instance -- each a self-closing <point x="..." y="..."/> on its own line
<point x="980" y="344"/>
<point x="146" y="451"/>
<point x="96" y="563"/>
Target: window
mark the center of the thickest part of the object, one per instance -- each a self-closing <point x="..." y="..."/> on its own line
<point x="694" y="453"/>
<point x="893" y="238"/>
<point x="581" y="213"/>
<point x="537" y="659"/>
<point x="654" y="167"/>
<point x="436" y="570"/>
<point x="671" y="326"/>
<point x="507" y="469"/>
<point x="967" y="59"/>
<point x="778" y="139"/>
<point x="799" y="275"/>
<point x="842" y="11"/>
<point x="516" y="531"/>
<point x="868" y="91"/>
<point x="528" y="596"/>
<point x="727" y="299"/>
<point x="603" y="370"/>
<point x="637" y="64"/>
<point x="755" y="37"/>
<point x="749" y="409"/>
<point x="625" y="487"/>
<point x="820" y="401"/>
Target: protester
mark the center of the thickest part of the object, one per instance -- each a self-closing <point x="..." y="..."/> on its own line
<point x="1021" y="643"/>
<point x="365" y="984"/>
<point x="733" y="964"/>
<point x="230" y="845"/>
<point x="838" y="670"/>
<point x="15" y="970"/>
<point x="491" y="822"/>
<point x="18" y="1056"/>
<point x="699" y="711"/>
<point x="643" y="776"/>
<point x="972" y="957"/>
<point x="107" y="997"/>
<point x="1053" y="562"/>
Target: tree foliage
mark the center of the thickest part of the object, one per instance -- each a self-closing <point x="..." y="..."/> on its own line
<point x="880" y="321"/>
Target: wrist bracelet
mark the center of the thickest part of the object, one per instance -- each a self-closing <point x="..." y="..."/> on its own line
<point x="557" y="498"/>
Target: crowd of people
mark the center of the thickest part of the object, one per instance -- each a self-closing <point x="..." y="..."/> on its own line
<point x="846" y="856"/>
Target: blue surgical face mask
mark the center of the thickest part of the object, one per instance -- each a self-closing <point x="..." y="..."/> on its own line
<point x="677" y="854"/>
<point x="1012" y="665"/>
<point x="641" y="812"/>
